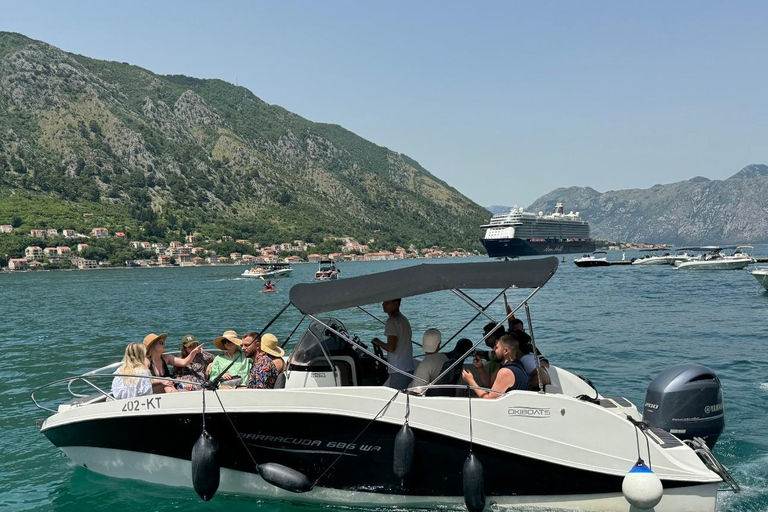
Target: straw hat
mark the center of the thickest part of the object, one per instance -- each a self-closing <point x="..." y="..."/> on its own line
<point x="228" y="335"/>
<point x="269" y="345"/>
<point x="152" y="338"/>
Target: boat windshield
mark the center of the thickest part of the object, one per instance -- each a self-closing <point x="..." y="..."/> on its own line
<point x="317" y="341"/>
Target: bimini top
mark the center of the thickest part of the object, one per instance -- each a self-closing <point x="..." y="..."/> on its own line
<point x="312" y="298"/>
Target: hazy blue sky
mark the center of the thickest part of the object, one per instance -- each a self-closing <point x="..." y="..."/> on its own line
<point x="505" y="101"/>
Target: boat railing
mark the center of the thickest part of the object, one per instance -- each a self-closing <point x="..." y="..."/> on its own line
<point x="87" y="378"/>
<point x="99" y="373"/>
<point x="421" y="390"/>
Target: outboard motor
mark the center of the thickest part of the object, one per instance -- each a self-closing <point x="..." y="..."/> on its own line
<point x="686" y="400"/>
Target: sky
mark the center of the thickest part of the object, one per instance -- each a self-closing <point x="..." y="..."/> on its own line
<point x="503" y="100"/>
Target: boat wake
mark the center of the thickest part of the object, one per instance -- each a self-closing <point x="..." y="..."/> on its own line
<point x="753" y="479"/>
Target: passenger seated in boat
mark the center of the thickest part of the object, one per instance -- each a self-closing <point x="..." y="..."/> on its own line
<point x="194" y="372"/>
<point x="516" y="325"/>
<point x="133" y="364"/>
<point x="267" y="360"/>
<point x="241" y="365"/>
<point x="432" y="366"/>
<point x="528" y="359"/>
<point x="487" y="372"/>
<point x="511" y="376"/>
<point x="157" y="361"/>
<point x="398" y="345"/>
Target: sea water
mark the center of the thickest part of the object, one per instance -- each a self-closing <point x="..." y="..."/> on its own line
<point x="619" y="326"/>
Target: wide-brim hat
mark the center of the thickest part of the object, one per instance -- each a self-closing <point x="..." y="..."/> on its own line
<point x="152" y="338"/>
<point x="269" y="345"/>
<point x="228" y="335"/>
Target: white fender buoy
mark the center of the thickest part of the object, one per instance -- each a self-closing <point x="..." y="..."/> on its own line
<point x="405" y="444"/>
<point x="205" y="466"/>
<point x="641" y="487"/>
<point x="474" y="484"/>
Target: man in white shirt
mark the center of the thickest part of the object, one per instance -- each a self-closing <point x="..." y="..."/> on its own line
<point x="432" y="365"/>
<point x="398" y="345"/>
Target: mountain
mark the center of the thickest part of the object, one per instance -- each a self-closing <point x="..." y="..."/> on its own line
<point x="696" y="211"/>
<point x="497" y="208"/>
<point x="152" y="153"/>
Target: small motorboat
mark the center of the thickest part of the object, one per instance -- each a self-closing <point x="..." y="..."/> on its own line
<point x="652" y="258"/>
<point x="330" y="434"/>
<point x="268" y="270"/>
<point x="716" y="259"/>
<point x="593" y="260"/>
<point x="327" y="271"/>
<point x="761" y="274"/>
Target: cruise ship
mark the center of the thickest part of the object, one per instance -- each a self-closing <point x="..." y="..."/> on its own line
<point x="521" y="233"/>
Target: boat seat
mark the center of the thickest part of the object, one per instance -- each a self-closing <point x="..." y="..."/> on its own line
<point x="345" y="365"/>
<point x="449" y="378"/>
<point x="280" y="382"/>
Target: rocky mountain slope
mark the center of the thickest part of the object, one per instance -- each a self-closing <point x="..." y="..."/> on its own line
<point x="696" y="211"/>
<point x="179" y="153"/>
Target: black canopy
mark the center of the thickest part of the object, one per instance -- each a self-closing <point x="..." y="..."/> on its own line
<point x="420" y="279"/>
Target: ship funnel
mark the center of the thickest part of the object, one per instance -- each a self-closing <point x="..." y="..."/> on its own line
<point x="559" y="208"/>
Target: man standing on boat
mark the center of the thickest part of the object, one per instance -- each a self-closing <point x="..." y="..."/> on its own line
<point x="398" y="345"/>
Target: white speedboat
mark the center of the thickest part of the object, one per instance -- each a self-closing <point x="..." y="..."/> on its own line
<point x="327" y="271"/>
<point x="653" y="258"/>
<point x="268" y="270"/>
<point x="761" y="274"/>
<point x="593" y="260"/>
<point x="716" y="259"/>
<point x="331" y="434"/>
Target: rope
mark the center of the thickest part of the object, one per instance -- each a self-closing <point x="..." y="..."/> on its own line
<point x="354" y="441"/>
<point x="226" y="414"/>
<point x="469" y="395"/>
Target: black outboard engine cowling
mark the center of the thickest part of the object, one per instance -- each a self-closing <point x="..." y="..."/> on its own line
<point x="686" y="400"/>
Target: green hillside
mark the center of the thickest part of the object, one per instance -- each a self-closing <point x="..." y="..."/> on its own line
<point x="157" y="153"/>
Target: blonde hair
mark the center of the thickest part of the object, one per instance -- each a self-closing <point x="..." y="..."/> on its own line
<point x="135" y="353"/>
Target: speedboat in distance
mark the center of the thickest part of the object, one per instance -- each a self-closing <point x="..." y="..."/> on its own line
<point x="653" y="258"/>
<point x="761" y="274"/>
<point x="593" y="260"/>
<point x="268" y="270"/>
<point x="330" y="434"/>
<point x="716" y="259"/>
<point x="327" y="271"/>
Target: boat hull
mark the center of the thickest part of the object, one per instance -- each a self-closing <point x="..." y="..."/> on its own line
<point x="163" y="470"/>
<point x="762" y="277"/>
<point x="513" y="247"/>
<point x="528" y="444"/>
<point x="591" y="263"/>
<point x="721" y="264"/>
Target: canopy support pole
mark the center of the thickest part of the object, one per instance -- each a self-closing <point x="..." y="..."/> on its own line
<point x="481" y="310"/>
<point x="533" y="346"/>
<point x="460" y="360"/>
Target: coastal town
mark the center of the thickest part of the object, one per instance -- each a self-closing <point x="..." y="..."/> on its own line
<point x="47" y="252"/>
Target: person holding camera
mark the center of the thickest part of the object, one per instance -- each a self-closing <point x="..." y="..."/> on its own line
<point x="511" y="375"/>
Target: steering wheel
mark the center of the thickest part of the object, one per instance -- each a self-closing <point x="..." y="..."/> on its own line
<point x="378" y="351"/>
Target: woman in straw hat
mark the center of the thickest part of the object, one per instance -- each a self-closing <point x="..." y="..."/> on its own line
<point x="240" y="365"/>
<point x="133" y="364"/>
<point x="267" y="360"/>
<point x="194" y="372"/>
<point x="157" y="361"/>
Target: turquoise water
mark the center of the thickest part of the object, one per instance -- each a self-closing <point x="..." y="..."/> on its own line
<point x="619" y="326"/>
